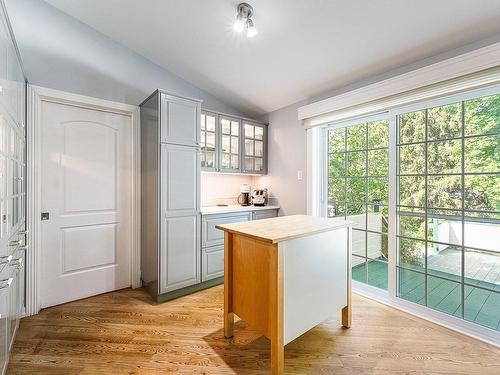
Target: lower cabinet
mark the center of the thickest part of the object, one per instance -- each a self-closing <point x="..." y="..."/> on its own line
<point x="212" y="250"/>
<point x="180" y="253"/>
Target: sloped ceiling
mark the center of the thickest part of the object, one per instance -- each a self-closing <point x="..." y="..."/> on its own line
<point x="304" y="47"/>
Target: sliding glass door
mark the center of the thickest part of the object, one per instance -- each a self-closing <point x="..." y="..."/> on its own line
<point x="442" y="249"/>
<point x="358" y="191"/>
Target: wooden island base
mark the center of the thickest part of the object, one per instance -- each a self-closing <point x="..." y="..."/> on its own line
<point x="285" y="284"/>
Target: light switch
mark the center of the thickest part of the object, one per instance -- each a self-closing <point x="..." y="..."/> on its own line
<point x="299" y="175"/>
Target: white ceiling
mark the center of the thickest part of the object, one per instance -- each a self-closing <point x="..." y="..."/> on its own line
<point x="304" y="47"/>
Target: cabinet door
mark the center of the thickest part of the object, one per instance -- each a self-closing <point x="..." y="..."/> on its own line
<point x="180" y="166"/>
<point x="179" y="253"/>
<point x="212" y="263"/>
<point x="209" y="141"/>
<point x="180" y="120"/>
<point x="230" y="146"/>
<point x="4" y="314"/>
<point x="254" y="148"/>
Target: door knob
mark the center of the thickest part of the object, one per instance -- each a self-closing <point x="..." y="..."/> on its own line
<point x="45" y="216"/>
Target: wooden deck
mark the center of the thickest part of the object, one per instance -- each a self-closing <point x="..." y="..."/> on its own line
<point x="126" y="332"/>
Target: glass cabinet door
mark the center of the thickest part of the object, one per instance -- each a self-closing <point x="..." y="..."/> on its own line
<point x="208" y="141"/>
<point x="254" y="147"/>
<point x="230" y="144"/>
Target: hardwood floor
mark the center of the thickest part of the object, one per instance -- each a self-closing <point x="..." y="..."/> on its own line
<point x="125" y="332"/>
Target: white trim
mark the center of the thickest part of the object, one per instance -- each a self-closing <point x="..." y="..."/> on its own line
<point x="459" y="66"/>
<point x="35" y="96"/>
<point x="448" y="321"/>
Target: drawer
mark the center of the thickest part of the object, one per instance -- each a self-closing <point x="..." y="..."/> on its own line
<point x="212" y="262"/>
<point x="265" y="214"/>
<point x="211" y="236"/>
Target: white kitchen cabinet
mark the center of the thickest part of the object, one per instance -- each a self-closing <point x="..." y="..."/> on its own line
<point x="170" y="188"/>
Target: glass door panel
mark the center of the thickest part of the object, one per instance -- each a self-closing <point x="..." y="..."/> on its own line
<point x="230" y="141"/>
<point x="254" y="135"/>
<point x="208" y="140"/>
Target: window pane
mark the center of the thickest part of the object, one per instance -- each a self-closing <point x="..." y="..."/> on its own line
<point x="479" y="234"/>
<point x="259" y="164"/>
<point x="249" y="131"/>
<point x="259" y="148"/>
<point x="444" y="260"/>
<point x="235" y="128"/>
<point x="359" y="242"/>
<point x="356" y="163"/>
<point x="444" y="295"/>
<point x="378" y="163"/>
<point x="443" y="229"/>
<point x="225" y="126"/>
<point x="336" y="209"/>
<point x="412" y="127"/>
<point x="482" y="154"/>
<point x="336" y="164"/>
<point x="378" y="190"/>
<point x="336" y="190"/>
<point x="235" y="161"/>
<point x="482" y="307"/>
<point x="482" y="192"/>
<point x="202" y="138"/>
<point x="358" y="269"/>
<point x="412" y="159"/>
<point x="210" y="145"/>
<point x="378" y="218"/>
<point x="356" y="190"/>
<point x="235" y="145"/>
<point x="411" y="226"/>
<point x="444" y="121"/>
<point x="336" y="140"/>
<point x="482" y="115"/>
<point x="226" y="143"/>
<point x="202" y="121"/>
<point x="482" y="268"/>
<point x="248" y="164"/>
<point x="444" y="192"/>
<point x="377" y="274"/>
<point x="412" y="254"/>
<point x="444" y="157"/>
<point x="378" y="134"/>
<point x="202" y="159"/>
<point x="225" y="161"/>
<point x="377" y="246"/>
<point x="210" y="159"/>
<point x="411" y="191"/>
<point x="356" y="213"/>
<point x="259" y="132"/>
<point x="411" y="286"/>
<point x="211" y="123"/>
<point x="249" y="147"/>
<point x="356" y="137"/>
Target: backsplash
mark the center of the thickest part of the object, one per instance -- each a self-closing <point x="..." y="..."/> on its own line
<point x="219" y="188"/>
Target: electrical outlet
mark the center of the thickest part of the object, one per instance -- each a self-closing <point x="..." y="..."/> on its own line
<point x="299" y="175"/>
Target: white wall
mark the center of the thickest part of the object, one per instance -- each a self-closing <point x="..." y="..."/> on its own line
<point x="287" y="156"/>
<point x="63" y="53"/>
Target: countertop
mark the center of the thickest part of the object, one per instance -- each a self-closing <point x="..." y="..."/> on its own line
<point x="284" y="228"/>
<point x="208" y="210"/>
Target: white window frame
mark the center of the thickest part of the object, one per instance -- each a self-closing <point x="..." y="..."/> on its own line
<point x="317" y="205"/>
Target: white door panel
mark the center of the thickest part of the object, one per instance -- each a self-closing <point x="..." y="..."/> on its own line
<point x="180" y="121"/>
<point x="86" y="163"/>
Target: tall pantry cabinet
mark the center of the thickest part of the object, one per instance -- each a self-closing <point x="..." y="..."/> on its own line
<point x="12" y="188"/>
<point x="170" y="190"/>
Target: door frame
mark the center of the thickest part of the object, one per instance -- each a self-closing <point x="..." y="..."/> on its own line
<point x="35" y="96"/>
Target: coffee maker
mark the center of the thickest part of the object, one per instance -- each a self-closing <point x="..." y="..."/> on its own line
<point x="244" y="197"/>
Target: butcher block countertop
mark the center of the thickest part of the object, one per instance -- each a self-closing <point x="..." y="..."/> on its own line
<point x="283" y="228"/>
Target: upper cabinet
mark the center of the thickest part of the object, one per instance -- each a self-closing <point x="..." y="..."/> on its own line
<point x="179" y="123"/>
<point x="232" y="145"/>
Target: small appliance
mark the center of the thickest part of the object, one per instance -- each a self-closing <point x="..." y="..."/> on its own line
<point x="244" y="197"/>
<point x="259" y="197"/>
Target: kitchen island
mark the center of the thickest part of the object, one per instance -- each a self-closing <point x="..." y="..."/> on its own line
<point x="285" y="275"/>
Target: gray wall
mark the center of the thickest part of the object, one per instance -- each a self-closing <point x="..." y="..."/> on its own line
<point x="287" y="137"/>
<point x="63" y="53"/>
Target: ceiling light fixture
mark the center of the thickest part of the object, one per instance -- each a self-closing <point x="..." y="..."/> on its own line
<point x="243" y="19"/>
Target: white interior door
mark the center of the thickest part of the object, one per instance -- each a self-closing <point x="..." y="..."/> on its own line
<point x="86" y="191"/>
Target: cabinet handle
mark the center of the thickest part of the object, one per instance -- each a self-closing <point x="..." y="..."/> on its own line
<point x="5" y="260"/>
<point x="6" y="283"/>
<point x="15" y="243"/>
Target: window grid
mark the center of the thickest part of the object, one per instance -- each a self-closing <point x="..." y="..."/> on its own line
<point x="463" y="217"/>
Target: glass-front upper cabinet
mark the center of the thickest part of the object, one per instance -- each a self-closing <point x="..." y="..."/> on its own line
<point x="230" y="144"/>
<point x="254" y="158"/>
<point x="208" y="141"/>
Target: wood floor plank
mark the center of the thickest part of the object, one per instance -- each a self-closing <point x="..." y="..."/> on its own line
<point x="126" y="332"/>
